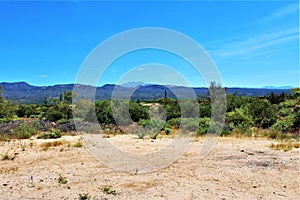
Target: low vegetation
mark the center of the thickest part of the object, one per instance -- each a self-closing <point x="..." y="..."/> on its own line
<point x="62" y="180"/>
<point x="52" y="135"/>
<point x="107" y="189"/>
<point x="84" y="196"/>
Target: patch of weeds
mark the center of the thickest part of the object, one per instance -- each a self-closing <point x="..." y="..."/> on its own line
<point x="274" y="134"/>
<point x="47" y="145"/>
<point x="25" y="131"/>
<point x="84" y="196"/>
<point x="285" y="146"/>
<point x="78" y="144"/>
<point x="107" y="189"/>
<point x="4" y="138"/>
<point x="62" y="180"/>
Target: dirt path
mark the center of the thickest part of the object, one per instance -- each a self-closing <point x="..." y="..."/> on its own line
<point x="235" y="169"/>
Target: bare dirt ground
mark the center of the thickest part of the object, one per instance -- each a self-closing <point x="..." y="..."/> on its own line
<point x="235" y="169"/>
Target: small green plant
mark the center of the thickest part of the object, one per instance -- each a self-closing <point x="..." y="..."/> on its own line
<point x="153" y="136"/>
<point x="78" y="144"/>
<point x="141" y="135"/>
<point x="107" y="189"/>
<point x="167" y="131"/>
<point x="84" y="196"/>
<point x="6" y="156"/>
<point x="225" y="133"/>
<point x="62" y="180"/>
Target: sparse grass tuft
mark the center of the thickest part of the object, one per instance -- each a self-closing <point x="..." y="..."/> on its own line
<point x="62" y="180"/>
<point x="45" y="146"/>
<point x="78" y="144"/>
<point x="107" y="189"/>
<point x="84" y="196"/>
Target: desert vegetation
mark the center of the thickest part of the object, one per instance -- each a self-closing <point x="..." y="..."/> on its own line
<point x="272" y="116"/>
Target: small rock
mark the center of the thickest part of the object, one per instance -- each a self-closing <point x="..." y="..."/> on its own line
<point x="4" y="184"/>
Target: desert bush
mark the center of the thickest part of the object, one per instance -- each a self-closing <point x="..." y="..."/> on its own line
<point x="25" y="131"/>
<point x="152" y="125"/>
<point x="190" y="124"/>
<point x="203" y="126"/>
<point x="239" y="118"/>
<point x="175" y="122"/>
<point x="284" y="124"/>
<point x="52" y="135"/>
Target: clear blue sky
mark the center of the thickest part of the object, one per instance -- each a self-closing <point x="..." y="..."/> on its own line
<point x="253" y="43"/>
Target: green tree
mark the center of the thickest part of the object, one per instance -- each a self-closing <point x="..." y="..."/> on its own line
<point x="263" y="112"/>
<point x="239" y="118"/>
<point x="138" y="112"/>
<point x="7" y="110"/>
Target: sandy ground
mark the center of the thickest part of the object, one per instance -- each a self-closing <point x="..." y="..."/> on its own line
<point x="235" y="169"/>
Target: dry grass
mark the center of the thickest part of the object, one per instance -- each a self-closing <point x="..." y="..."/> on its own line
<point x="45" y="146"/>
<point x="285" y="146"/>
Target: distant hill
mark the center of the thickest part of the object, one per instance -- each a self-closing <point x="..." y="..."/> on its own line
<point x="22" y="92"/>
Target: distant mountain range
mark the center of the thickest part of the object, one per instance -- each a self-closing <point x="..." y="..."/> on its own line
<point x="22" y="92"/>
<point x="278" y="87"/>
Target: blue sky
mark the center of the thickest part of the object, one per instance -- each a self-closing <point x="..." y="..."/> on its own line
<point x="253" y="43"/>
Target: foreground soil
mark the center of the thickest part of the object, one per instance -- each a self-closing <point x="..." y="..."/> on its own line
<point x="234" y="169"/>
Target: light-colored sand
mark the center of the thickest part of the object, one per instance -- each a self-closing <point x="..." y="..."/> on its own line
<point x="235" y="169"/>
